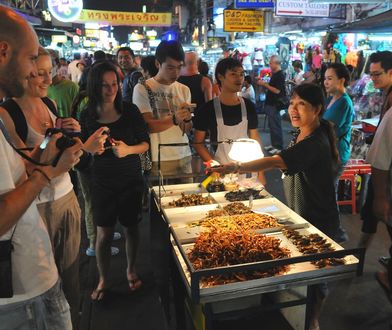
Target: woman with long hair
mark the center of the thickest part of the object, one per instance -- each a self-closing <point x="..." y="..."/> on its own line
<point x="309" y="165"/>
<point x="340" y="111"/>
<point x="116" y="178"/>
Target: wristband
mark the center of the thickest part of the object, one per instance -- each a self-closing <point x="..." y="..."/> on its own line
<point x="174" y="120"/>
<point x="43" y="174"/>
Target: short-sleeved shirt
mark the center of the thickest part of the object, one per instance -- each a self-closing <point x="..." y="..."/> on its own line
<point x="63" y="93"/>
<point x="167" y="98"/>
<point x="309" y="180"/>
<point x="129" y="128"/>
<point x="341" y="113"/>
<point x="380" y="152"/>
<point x="33" y="268"/>
<point x="205" y="119"/>
<point x="277" y="81"/>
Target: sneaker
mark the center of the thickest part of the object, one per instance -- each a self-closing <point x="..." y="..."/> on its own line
<point x="268" y="148"/>
<point x="91" y="252"/>
<point x="275" y="151"/>
<point x="116" y="236"/>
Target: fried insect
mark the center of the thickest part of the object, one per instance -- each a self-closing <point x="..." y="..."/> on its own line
<point x="191" y="200"/>
<point x="219" y="248"/>
<point x="311" y="244"/>
<point x="237" y="208"/>
<point x="242" y="195"/>
<point x="240" y="221"/>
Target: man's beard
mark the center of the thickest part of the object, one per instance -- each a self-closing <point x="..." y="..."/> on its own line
<point x="9" y="82"/>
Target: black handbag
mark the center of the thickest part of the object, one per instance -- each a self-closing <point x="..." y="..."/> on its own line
<point x="6" y="247"/>
<point x="283" y="102"/>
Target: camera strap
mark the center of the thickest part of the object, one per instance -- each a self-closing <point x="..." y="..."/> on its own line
<point x="18" y="151"/>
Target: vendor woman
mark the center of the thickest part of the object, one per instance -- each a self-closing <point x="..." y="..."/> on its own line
<point x="309" y="165"/>
<point x="226" y="117"/>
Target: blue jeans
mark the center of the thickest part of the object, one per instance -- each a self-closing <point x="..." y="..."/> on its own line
<point x="49" y="311"/>
<point x="275" y="126"/>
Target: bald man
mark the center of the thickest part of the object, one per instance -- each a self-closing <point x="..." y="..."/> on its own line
<point x="32" y="296"/>
<point x="200" y="86"/>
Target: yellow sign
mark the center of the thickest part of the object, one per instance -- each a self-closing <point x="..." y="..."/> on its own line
<point x="243" y="21"/>
<point x="125" y="18"/>
<point x="92" y="33"/>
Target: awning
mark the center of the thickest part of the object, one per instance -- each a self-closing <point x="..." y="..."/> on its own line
<point x="381" y="23"/>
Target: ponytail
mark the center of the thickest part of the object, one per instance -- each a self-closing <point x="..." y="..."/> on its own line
<point x="332" y="141"/>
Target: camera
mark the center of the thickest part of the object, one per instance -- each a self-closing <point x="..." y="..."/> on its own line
<point x="109" y="140"/>
<point x="62" y="143"/>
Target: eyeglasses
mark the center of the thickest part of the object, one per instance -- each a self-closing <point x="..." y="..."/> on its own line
<point x="375" y="74"/>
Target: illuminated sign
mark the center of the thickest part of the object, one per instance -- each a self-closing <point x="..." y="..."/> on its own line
<point x="65" y="10"/>
<point x="125" y="18"/>
<point x="89" y="33"/>
<point x="243" y="21"/>
<point x="254" y="4"/>
<point x="59" y="38"/>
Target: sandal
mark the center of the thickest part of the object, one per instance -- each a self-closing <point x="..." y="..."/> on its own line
<point x="98" y="295"/>
<point x="134" y="284"/>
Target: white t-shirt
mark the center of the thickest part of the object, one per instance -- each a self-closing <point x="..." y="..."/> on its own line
<point x="168" y="99"/>
<point x="59" y="186"/>
<point x="33" y="268"/>
<point x="299" y="77"/>
<point x="380" y="152"/>
<point x="249" y="93"/>
<point x="74" y="72"/>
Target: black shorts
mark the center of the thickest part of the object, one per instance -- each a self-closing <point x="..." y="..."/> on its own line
<point x="120" y="201"/>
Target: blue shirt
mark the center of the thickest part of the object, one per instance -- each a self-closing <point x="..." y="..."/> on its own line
<point x="341" y="113"/>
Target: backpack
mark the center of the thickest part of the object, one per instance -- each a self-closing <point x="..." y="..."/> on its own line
<point x="19" y="118"/>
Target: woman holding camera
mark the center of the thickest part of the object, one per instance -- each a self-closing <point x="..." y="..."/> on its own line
<point x="117" y="181"/>
<point x="28" y="119"/>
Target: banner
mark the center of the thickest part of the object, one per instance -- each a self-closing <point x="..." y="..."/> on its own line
<point x="243" y="20"/>
<point x="125" y="18"/>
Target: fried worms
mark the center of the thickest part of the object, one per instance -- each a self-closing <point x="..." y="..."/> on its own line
<point x="219" y="248"/>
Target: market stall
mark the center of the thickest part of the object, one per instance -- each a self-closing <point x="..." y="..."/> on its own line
<point x="233" y="251"/>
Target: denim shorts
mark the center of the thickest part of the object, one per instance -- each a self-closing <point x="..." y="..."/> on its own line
<point x="49" y="311"/>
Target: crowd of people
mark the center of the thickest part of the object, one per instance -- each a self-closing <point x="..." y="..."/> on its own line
<point x="105" y="120"/>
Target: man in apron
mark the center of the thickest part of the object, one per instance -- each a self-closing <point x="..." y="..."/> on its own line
<point x="227" y="117"/>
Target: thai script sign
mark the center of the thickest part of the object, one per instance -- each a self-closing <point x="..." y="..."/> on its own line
<point x="125" y="18"/>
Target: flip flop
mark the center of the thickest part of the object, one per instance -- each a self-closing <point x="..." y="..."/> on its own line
<point x="98" y="295"/>
<point x="387" y="291"/>
<point x="134" y="284"/>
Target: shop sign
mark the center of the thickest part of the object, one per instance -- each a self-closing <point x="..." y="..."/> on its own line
<point x="243" y="21"/>
<point x="125" y="18"/>
<point x="59" y="38"/>
<point x="65" y="10"/>
<point x="90" y="33"/>
<point x="301" y="8"/>
<point x="254" y="4"/>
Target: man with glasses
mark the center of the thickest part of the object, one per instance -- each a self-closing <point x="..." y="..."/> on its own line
<point x="378" y="203"/>
<point x="164" y="103"/>
<point x="276" y="91"/>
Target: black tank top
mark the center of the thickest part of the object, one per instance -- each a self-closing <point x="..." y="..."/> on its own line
<point x="194" y="84"/>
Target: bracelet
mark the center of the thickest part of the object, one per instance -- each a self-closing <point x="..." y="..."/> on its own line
<point x="43" y="174"/>
<point x="174" y="120"/>
<point x="187" y="121"/>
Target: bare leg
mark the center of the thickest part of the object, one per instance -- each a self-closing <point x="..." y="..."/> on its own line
<point x="131" y="244"/>
<point x="102" y="248"/>
<point x="316" y="312"/>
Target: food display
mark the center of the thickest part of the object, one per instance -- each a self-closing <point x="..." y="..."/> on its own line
<point x="249" y="221"/>
<point x="313" y="243"/>
<point x="218" y="248"/>
<point x="191" y="200"/>
<point x="216" y="213"/>
<point x="243" y="195"/>
<point x="237" y="208"/>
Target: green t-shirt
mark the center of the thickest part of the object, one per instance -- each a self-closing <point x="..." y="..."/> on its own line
<point x="63" y="93"/>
